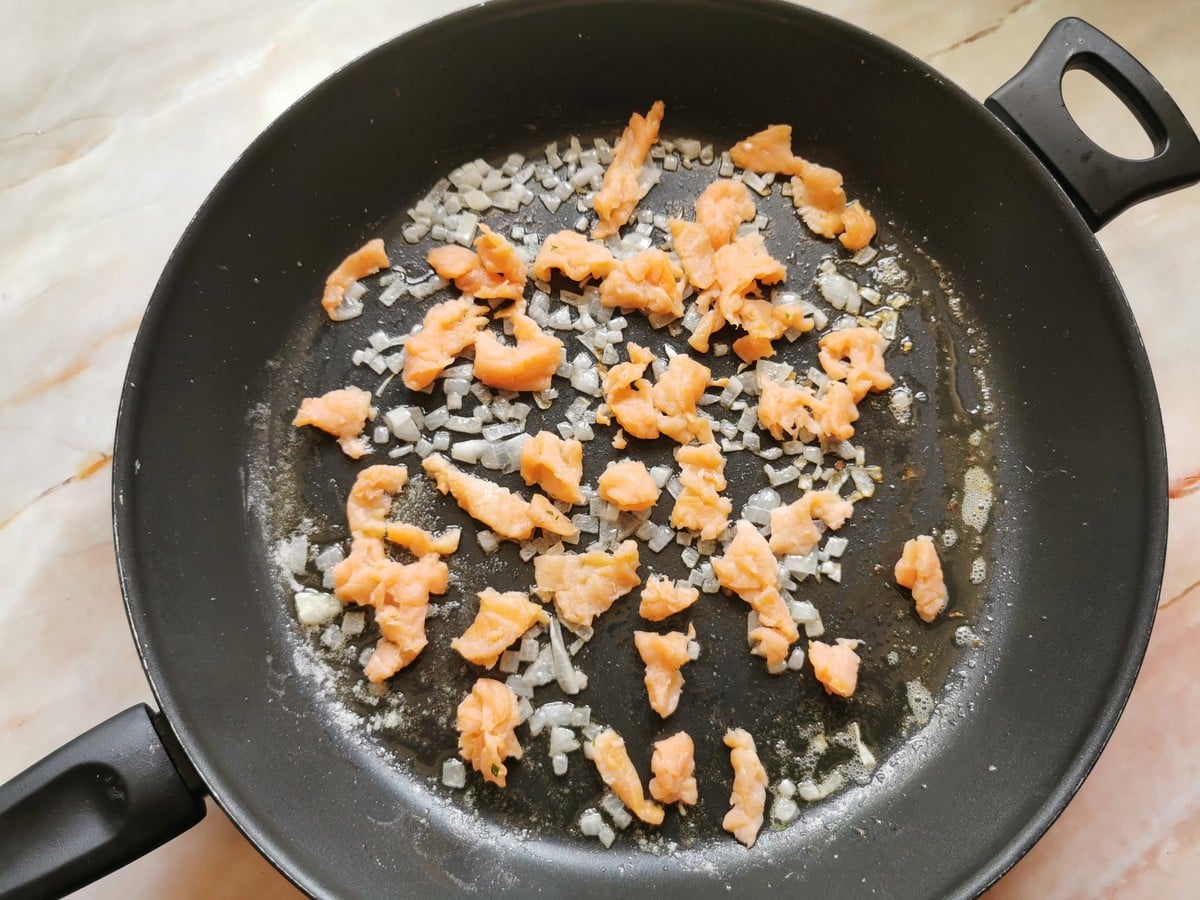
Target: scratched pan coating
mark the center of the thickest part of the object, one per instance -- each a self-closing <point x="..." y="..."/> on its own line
<point x="216" y="474"/>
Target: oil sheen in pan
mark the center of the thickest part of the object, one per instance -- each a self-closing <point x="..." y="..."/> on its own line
<point x="932" y="436"/>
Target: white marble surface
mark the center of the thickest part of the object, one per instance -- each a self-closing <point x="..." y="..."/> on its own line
<point x="117" y="117"/>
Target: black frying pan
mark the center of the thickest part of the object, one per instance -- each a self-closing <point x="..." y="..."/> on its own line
<point x="1075" y="550"/>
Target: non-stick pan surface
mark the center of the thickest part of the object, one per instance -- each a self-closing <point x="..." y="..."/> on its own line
<point x="1076" y="547"/>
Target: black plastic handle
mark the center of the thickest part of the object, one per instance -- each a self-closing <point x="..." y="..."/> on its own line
<point x="111" y="795"/>
<point x="1100" y="184"/>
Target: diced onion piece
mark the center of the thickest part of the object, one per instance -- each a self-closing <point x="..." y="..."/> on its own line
<point x="612" y="805"/>
<point x="784" y="809"/>
<point x="590" y="823"/>
<point x="329" y="557"/>
<point x="297" y="554"/>
<point x="807" y="615"/>
<point x="316" y="608"/>
<point x="519" y="686"/>
<point x="562" y="741"/>
<point x="354" y="622"/>
<point x="569" y="679"/>
<point x="834" y="781"/>
<point x="469" y="451"/>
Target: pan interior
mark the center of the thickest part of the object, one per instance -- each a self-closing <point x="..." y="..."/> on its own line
<point x="233" y="339"/>
<point x="300" y="482"/>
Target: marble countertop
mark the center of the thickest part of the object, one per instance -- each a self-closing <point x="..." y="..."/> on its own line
<point x="113" y="130"/>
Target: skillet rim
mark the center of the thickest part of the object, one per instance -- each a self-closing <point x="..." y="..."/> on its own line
<point x="249" y="821"/>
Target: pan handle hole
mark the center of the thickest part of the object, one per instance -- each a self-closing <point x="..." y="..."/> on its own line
<point x="1104" y="117"/>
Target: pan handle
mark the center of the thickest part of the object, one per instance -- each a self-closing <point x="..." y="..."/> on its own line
<point x="1100" y="184"/>
<point x="109" y="796"/>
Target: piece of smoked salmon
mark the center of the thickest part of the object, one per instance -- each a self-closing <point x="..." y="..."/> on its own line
<point x="616" y="769"/>
<point x="366" y="260"/>
<point x="674" y="768"/>
<point x="621" y="190"/>
<point x="553" y="464"/>
<point x="486" y="722"/>
<point x="662" y="598"/>
<point x="748" y="568"/>
<point x="342" y="413"/>
<point x="585" y="585"/>
<point x="529" y="365"/>
<point x="700" y="508"/>
<point x="664" y="656"/>
<point x="793" y="526"/>
<point x="447" y="330"/>
<point x="855" y="356"/>
<point x="920" y="570"/>
<point x="836" y="666"/>
<point x="500" y="620"/>
<point x="749" y="796"/>
<point x="628" y="486"/>
<point x="574" y="255"/>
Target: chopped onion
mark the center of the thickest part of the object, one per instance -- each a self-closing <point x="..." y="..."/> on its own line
<point x="562" y="741"/>
<point x="767" y="498"/>
<point x="350" y="305"/>
<point x="864" y="256"/>
<point x="662" y="537"/>
<point x="296" y="554"/>
<point x="488" y="542"/>
<point x="557" y="713"/>
<point x="464" y="424"/>
<point x="590" y="823"/>
<point x="612" y="805"/>
<point x="646" y="531"/>
<point x="412" y="234"/>
<point x="840" y="292"/>
<point x="807" y="615"/>
<point x="519" y="686"/>
<point x="333" y="638"/>
<point x="524" y="710"/>
<point x="427" y="288"/>
<point x="454" y="773"/>
<point x="570" y="680"/>
<point x="782" y="476"/>
<point x="402" y="424"/>
<point x="316" y="608"/>
<point x="529" y="650"/>
<point x="834" y="781"/>
<point x="784" y="809"/>
<point x="353" y="622"/>
<point x="832" y="570"/>
<point x="499" y="430"/>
